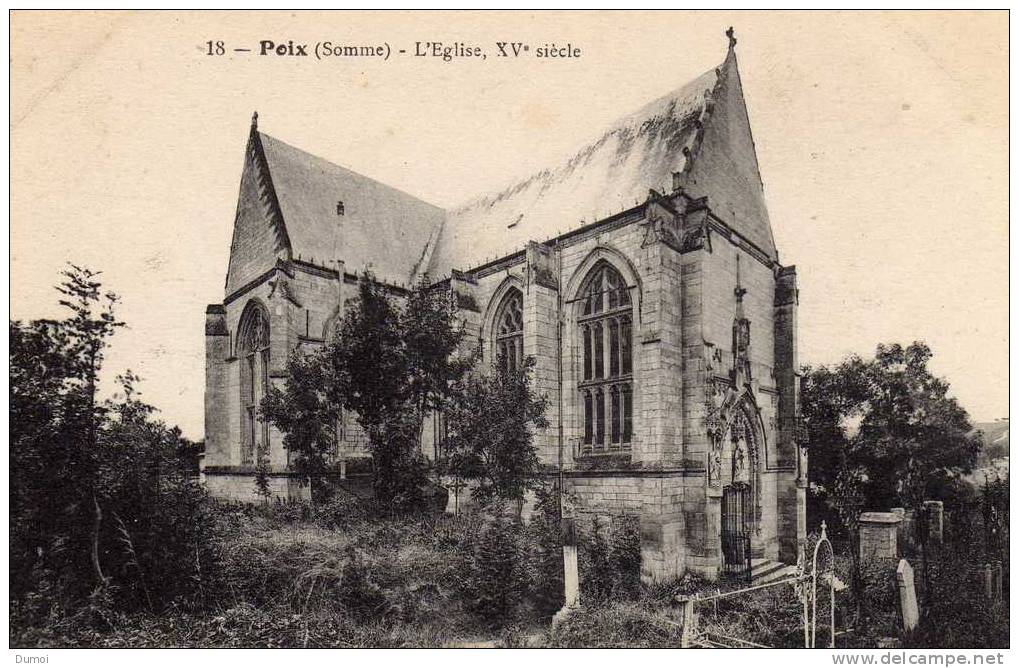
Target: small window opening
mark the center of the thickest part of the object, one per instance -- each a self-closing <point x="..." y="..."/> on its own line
<point x="339" y="208"/>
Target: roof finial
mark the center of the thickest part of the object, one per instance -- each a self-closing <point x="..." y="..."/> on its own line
<point x="254" y="121"/>
<point x="731" y="34"/>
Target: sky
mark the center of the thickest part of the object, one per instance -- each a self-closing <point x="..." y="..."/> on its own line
<point x="882" y="139"/>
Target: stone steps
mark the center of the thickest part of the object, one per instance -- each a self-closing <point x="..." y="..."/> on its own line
<point x="763" y="571"/>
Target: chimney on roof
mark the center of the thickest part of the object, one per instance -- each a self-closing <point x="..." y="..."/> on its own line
<point x="731" y="34"/>
<point x="254" y="121"/>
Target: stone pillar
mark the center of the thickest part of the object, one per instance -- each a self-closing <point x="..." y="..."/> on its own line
<point x="907" y="595"/>
<point x="571" y="574"/>
<point x="541" y="319"/>
<point x="792" y="486"/>
<point x="689" y="633"/>
<point x="934" y="514"/>
<point x="217" y="349"/>
<point x="902" y="536"/>
<point x="878" y="536"/>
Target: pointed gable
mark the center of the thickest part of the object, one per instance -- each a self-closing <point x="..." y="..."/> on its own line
<point x="724" y="166"/>
<point x="699" y="133"/>
<point x="259" y="236"/>
<point x="294" y="205"/>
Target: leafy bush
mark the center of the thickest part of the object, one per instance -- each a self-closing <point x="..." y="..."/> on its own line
<point x="545" y="555"/>
<point x="594" y="563"/>
<point x="956" y="613"/>
<point x="614" y="625"/>
<point x="341" y="510"/>
<point x="624" y="543"/>
<point x="497" y="580"/>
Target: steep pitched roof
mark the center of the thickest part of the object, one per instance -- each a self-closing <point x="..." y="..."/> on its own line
<point x="296" y="195"/>
<point x="381" y="227"/>
<point x="607" y="176"/>
<point x="724" y="166"/>
<point x="700" y="130"/>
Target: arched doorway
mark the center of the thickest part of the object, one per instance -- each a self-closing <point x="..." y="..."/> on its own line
<point x="741" y="491"/>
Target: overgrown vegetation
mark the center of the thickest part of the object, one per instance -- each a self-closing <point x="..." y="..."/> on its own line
<point x="490" y="441"/>
<point x="114" y="544"/>
<point x="104" y="513"/>
<point x="883" y="433"/>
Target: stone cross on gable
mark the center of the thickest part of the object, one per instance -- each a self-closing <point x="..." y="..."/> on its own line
<point x="731" y="34"/>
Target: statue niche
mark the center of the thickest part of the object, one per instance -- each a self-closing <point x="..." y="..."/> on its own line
<point x="736" y="443"/>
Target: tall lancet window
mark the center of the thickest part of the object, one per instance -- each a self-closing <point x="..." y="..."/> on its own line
<point x="606" y="338"/>
<point x="509" y="332"/>
<point x="253" y="355"/>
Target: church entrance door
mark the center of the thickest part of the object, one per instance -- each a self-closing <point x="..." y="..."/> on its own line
<point x="736" y="514"/>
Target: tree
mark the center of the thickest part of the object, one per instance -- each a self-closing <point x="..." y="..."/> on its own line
<point x="390" y="364"/>
<point x="262" y="480"/>
<point x="55" y="419"/>
<point x="433" y="337"/>
<point x="155" y="542"/>
<point x="884" y="431"/>
<point x="100" y="490"/>
<point x="497" y="577"/>
<point x="545" y="555"/>
<point x="307" y="412"/>
<point x="490" y="439"/>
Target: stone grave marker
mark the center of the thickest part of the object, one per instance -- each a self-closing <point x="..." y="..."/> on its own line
<point x="907" y="595"/>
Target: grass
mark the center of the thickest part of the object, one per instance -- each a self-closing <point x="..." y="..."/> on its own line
<point x="289" y="577"/>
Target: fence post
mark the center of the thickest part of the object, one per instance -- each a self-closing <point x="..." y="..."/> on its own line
<point x="689" y="623"/>
<point x="935" y="516"/>
<point x="571" y="575"/>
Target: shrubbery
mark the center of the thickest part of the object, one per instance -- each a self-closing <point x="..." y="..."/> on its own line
<point x="609" y="559"/>
<point x="620" y="624"/>
<point x="497" y="579"/>
<point x="545" y="562"/>
<point x="105" y="515"/>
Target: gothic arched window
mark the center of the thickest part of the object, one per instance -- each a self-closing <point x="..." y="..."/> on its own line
<point x="606" y="335"/>
<point x="509" y="332"/>
<point x="253" y="355"/>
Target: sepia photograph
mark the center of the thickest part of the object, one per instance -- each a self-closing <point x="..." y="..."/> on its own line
<point x="510" y="329"/>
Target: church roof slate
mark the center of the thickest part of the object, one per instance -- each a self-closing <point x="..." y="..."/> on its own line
<point x="381" y="228"/>
<point x="608" y="175"/>
<point x="672" y="134"/>
<point x="700" y="131"/>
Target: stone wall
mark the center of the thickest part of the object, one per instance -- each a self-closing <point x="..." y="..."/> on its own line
<point x="684" y="308"/>
<point x="302" y="301"/>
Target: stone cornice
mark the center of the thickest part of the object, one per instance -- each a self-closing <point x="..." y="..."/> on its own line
<point x="626" y="217"/>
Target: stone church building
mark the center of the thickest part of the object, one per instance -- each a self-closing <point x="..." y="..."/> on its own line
<point x="641" y="275"/>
